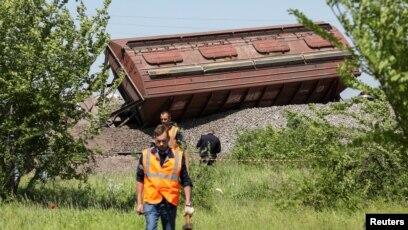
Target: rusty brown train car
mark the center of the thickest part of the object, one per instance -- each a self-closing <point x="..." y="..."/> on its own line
<point x="198" y="74"/>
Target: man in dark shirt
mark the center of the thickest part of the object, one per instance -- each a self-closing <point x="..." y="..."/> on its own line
<point x="209" y="145"/>
<point x="160" y="172"/>
<point x="175" y="133"/>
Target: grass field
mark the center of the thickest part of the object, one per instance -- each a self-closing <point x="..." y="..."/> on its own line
<point x="227" y="215"/>
<point x="235" y="197"/>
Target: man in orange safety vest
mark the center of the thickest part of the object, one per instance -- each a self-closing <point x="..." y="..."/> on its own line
<point x="160" y="174"/>
<point x="175" y="134"/>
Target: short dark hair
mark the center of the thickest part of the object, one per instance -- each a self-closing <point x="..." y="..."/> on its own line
<point x="159" y="130"/>
<point x="165" y="112"/>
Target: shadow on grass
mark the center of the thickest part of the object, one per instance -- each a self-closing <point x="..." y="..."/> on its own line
<point x="82" y="196"/>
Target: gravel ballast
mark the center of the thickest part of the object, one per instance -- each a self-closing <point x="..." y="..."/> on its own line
<point x="227" y="125"/>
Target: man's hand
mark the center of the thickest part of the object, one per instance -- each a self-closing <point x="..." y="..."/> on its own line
<point x="139" y="209"/>
<point x="188" y="210"/>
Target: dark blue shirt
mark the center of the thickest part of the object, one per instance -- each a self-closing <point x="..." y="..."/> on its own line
<point x="209" y="144"/>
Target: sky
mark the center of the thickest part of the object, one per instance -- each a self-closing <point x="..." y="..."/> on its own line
<point x="132" y="18"/>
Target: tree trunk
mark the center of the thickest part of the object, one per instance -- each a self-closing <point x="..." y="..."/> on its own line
<point x="34" y="179"/>
<point x="12" y="182"/>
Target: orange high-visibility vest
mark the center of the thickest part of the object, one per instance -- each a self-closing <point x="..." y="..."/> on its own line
<point x="172" y="132"/>
<point x="172" y="136"/>
<point x="161" y="181"/>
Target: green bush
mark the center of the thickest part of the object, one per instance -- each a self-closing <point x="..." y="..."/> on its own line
<point x="203" y="178"/>
<point x="349" y="165"/>
<point x="370" y="167"/>
<point x="303" y="138"/>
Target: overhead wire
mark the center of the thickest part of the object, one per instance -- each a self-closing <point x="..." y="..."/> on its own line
<point x="265" y="21"/>
<point x="198" y="18"/>
<point x="161" y="26"/>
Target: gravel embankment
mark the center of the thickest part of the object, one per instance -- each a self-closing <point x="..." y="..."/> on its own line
<point x="226" y="126"/>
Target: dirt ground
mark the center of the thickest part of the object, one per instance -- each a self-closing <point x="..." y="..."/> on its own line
<point x="117" y="164"/>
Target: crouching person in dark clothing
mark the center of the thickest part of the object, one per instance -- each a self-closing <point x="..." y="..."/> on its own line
<point x="209" y="145"/>
<point x="160" y="174"/>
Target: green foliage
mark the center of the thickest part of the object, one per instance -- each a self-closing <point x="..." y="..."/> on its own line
<point x="350" y="165"/>
<point x="203" y="178"/>
<point x="379" y="31"/>
<point x="45" y="62"/>
<point x="257" y="194"/>
<point x="372" y="164"/>
<point x="359" y="172"/>
<point x="299" y="141"/>
<point x="102" y="191"/>
<point x="277" y="183"/>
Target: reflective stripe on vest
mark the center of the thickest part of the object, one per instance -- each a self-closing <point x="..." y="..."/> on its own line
<point x="173" y="176"/>
<point x="161" y="181"/>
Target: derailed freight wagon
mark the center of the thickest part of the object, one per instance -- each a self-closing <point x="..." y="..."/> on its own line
<point x="198" y="74"/>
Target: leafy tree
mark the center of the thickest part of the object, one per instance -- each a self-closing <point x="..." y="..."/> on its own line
<point x="46" y="55"/>
<point x="372" y="164"/>
<point x="379" y="31"/>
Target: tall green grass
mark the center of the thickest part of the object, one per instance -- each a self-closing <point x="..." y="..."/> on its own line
<point x="227" y="214"/>
<point x="229" y="195"/>
<point x="99" y="191"/>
